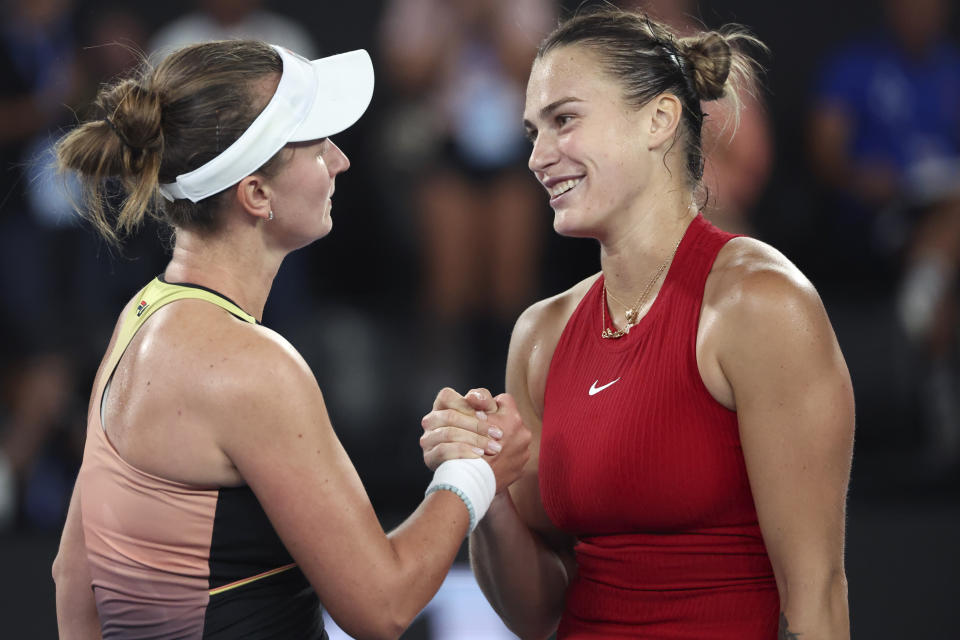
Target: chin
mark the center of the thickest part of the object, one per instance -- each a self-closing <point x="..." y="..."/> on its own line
<point x="326" y="228"/>
<point x="569" y="224"/>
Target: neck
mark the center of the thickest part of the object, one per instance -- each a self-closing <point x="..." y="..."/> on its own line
<point x="632" y="255"/>
<point x="233" y="262"/>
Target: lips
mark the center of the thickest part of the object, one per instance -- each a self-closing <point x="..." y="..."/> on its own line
<point x="558" y="187"/>
<point x="562" y="187"/>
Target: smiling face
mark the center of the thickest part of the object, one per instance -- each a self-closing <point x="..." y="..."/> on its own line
<point x="591" y="149"/>
<point x="302" y="189"/>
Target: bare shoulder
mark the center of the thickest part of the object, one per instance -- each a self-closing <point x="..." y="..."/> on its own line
<point x="748" y="271"/>
<point x="535" y="338"/>
<point x="250" y="372"/>
<point x="762" y="323"/>
<point x="757" y="301"/>
<point x="195" y="384"/>
<point x="208" y="349"/>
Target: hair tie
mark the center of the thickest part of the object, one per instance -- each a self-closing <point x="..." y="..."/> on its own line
<point x="122" y="137"/>
<point x="682" y="65"/>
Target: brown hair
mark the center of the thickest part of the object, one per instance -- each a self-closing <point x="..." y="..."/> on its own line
<point x="649" y="59"/>
<point x="165" y="121"/>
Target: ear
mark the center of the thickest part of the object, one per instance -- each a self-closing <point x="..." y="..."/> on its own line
<point x="666" y="111"/>
<point x="253" y="195"/>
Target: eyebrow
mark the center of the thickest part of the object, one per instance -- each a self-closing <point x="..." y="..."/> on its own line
<point x="553" y="106"/>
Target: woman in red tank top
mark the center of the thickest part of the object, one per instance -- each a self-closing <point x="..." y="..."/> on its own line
<point x="693" y="412"/>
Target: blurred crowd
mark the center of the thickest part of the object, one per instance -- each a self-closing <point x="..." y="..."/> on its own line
<point x="452" y="238"/>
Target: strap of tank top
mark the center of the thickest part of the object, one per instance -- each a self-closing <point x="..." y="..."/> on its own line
<point x="154" y="296"/>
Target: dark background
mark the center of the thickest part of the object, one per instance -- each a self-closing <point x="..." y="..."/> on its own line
<point x="904" y="520"/>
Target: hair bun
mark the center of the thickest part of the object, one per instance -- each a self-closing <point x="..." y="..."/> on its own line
<point x="136" y="115"/>
<point x="709" y="56"/>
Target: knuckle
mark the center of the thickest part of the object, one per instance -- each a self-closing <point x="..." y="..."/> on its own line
<point x="444" y="397"/>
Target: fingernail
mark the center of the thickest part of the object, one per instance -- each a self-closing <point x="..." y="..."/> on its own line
<point x="477" y="451"/>
<point x="496" y="447"/>
<point x="494" y="432"/>
<point x="481" y="415"/>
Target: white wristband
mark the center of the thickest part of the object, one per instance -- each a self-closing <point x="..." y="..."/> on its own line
<point x="472" y="480"/>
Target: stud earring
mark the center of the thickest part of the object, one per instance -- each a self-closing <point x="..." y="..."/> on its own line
<point x="270" y="217"/>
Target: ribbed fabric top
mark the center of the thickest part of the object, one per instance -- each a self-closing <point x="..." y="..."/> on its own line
<point x="641" y="463"/>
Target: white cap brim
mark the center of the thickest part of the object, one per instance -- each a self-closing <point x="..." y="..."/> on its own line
<point x="313" y="100"/>
<point x="344" y="91"/>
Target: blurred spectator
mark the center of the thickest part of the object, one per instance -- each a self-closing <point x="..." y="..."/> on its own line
<point x="738" y="154"/>
<point x="224" y="19"/>
<point x="37" y="80"/>
<point x="459" y="69"/>
<point x="56" y="281"/>
<point x="885" y="137"/>
<point x="113" y="43"/>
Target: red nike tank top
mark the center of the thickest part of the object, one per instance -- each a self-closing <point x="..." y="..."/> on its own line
<point x="645" y="468"/>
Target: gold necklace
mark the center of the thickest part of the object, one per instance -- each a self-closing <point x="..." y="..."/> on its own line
<point x="634" y="311"/>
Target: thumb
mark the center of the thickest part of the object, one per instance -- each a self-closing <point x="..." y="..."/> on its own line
<point x="506" y="401"/>
<point x="481" y="400"/>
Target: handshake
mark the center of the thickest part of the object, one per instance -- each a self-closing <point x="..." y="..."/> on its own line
<point x="476" y="444"/>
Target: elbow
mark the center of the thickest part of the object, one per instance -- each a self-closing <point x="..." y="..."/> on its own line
<point x="818" y="609"/>
<point x="391" y="627"/>
<point x="825" y="593"/>
<point x="394" y="622"/>
<point x="382" y="623"/>
<point x="378" y="630"/>
<point x="533" y="632"/>
<point x="57" y="570"/>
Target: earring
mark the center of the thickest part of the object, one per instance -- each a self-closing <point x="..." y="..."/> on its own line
<point x="270" y="217"/>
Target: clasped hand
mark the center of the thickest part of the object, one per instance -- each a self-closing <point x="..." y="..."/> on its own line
<point x="473" y="426"/>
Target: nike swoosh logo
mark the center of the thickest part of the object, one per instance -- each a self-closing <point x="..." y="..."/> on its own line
<point x="594" y="389"/>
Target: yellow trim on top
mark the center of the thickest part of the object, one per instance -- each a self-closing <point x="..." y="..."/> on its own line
<point x="246" y="581"/>
<point x="154" y="296"/>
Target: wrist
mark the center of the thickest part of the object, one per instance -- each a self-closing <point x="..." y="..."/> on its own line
<point x="472" y="480"/>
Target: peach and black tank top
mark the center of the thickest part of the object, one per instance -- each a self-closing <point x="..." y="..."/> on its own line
<point x="645" y="468"/>
<point x="171" y="560"/>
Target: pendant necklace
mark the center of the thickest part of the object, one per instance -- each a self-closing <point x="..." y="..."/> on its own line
<point x="633" y="312"/>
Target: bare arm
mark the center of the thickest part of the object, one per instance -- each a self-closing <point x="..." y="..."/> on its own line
<point x="521" y="562"/>
<point x="280" y="439"/>
<point x="794" y="403"/>
<point x="523" y="573"/>
<point x="76" y="609"/>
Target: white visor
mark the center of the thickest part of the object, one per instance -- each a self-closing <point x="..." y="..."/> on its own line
<point x="313" y="100"/>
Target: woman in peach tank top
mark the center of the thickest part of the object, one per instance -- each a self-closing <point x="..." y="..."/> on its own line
<point x="214" y="499"/>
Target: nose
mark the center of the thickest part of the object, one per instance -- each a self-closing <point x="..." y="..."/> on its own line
<point x="544" y="152"/>
<point x="339" y="162"/>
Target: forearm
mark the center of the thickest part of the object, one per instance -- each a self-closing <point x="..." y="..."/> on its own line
<point x="423" y="548"/>
<point x="524" y="580"/>
<point x="76" y="610"/>
<point x="815" y="610"/>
